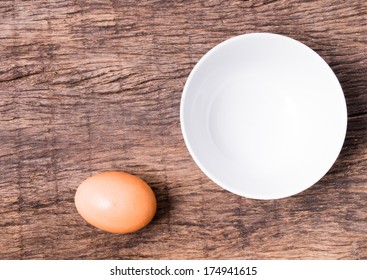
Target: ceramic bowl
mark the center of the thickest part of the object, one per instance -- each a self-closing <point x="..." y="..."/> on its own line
<point x="263" y="116"/>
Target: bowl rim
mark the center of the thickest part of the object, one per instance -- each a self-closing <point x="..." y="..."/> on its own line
<point x="198" y="162"/>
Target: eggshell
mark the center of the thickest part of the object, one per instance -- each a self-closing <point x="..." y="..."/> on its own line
<point x="116" y="202"/>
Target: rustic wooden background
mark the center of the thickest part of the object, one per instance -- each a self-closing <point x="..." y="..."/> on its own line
<point x="90" y="86"/>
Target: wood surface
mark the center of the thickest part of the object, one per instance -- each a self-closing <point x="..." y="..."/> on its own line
<point x="91" y="86"/>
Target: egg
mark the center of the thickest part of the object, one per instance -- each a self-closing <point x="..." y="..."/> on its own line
<point x="116" y="202"/>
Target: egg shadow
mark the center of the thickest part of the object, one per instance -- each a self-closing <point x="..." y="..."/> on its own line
<point x="160" y="189"/>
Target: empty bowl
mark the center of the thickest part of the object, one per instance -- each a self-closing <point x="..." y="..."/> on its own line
<point x="263" y="116"/>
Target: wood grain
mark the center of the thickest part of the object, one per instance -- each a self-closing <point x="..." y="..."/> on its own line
<point x="89" y="86"/>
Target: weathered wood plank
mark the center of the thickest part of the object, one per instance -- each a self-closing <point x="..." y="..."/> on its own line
<point x="89" y="86"/>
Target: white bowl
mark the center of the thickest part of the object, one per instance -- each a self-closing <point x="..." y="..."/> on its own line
<point x="263" y="116"/>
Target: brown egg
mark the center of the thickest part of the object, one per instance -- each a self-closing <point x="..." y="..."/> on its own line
<point x="116" y="202"/>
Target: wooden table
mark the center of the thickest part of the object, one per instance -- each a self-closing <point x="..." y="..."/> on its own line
<point x="90" y="86"/>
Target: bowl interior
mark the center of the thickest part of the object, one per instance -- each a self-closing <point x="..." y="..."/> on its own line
<point x="263" y="116"/>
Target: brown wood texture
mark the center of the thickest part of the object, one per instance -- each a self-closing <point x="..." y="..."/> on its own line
<point x="90" y="86"/>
